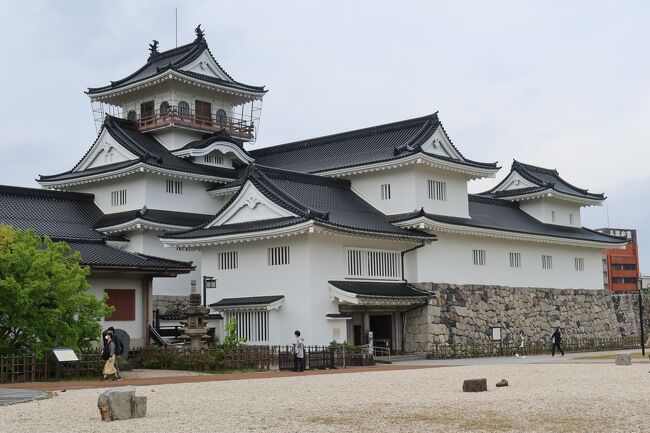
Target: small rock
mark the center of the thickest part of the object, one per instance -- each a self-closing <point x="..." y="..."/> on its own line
<point x="501" y="383"/>
<point x="63" y="390"/>
<point x="623" y="359"/>
<point x="475" y="385"/>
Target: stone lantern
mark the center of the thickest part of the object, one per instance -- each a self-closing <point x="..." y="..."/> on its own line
<point x="195" y="320"/>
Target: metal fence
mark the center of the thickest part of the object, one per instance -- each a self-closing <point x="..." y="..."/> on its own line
<point x="500" y="348"/>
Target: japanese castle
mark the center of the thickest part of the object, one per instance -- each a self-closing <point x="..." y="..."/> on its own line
<point x="335" y="236"/>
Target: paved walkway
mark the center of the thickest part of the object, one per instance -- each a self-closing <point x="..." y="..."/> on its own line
<point x="84" y="384"/>
<point x="569" y="358"/>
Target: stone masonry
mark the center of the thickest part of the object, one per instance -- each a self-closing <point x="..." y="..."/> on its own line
<point x="465" y="313"/>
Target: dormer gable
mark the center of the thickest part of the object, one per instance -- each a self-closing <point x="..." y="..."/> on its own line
<point x="439" y="144"/>
<point x="104" y="151"/>
<point x="216" y="149"/>
<point x="250" y="204"/>
<point x="529" y="182"/>
<point x="205" y="64"/>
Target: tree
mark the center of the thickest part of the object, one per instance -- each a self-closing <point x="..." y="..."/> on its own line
<point x="44" y="299"/>
<point x="231" y="340"/>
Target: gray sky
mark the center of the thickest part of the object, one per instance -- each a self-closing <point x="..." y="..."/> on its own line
<point x="558" y="84"/>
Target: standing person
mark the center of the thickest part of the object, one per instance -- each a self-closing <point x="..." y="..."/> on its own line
<point x="300" y="351"/>
<point x="520" y="342"/>
<point x="556" y="339"/>
<point x="118" y="351"/>
<point x="109" y="355"/>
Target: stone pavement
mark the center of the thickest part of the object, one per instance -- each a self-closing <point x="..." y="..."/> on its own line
<point x="11" y="396"/>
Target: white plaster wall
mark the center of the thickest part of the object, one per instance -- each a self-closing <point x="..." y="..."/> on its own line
<point x="194" y="199"/>
<point x="456" y="204"/>
<point x="542" y="209"/>
<point x="409" y="190"/>
<point x="450" y="260"/>
<point x="255" y="278"/>
<point x="175" y="138"/>
<point x="135" y="195"/>
<point x="148" y="242"/>
<point x="135" y="327"/>
<point x="401" y="180"/>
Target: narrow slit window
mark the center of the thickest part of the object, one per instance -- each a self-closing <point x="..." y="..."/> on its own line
<point x="515" y="260"/>
<point x="118" y="198"/>
<point x="385" y="191"/>
<point x="278" y="256"/>
<point x="228" y="260"/>
<point x="479" y="257"/>
<point x="174" y="187"/>
<point x="547" y="262"/>
<point x="437" y="190"/>
<point x="579" y="264"/>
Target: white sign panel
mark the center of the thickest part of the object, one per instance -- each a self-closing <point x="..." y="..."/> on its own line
<point x="63" y="355"/>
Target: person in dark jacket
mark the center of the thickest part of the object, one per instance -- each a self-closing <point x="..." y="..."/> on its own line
<point x="556" y="339"/>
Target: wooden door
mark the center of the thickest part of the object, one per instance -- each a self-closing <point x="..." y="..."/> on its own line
<point x="203" y="112"/>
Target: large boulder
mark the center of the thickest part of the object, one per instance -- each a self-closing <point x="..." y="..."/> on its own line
<point x="623" y="359"/>
<point x="121" y="403"/>
<point x="475" y="385"/>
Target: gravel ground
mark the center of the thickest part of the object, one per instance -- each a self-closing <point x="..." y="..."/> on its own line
<point x="540" y="398"/>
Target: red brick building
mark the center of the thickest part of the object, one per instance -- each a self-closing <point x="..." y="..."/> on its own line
<point x="621" y="266"/>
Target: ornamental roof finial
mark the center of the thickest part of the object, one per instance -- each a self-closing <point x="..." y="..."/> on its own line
<point x="153" y="48"/>
<point x="199" y="33"/>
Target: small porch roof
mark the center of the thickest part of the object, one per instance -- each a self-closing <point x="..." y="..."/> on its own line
<point x="389" y="293"/>
<point x="249" y="302"/>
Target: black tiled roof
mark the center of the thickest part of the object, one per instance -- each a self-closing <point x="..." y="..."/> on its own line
<point x="105" y="257"/>
<point x="339" y="315"/>
<point x="172" y="218"/>
<point x="354" y="148"/>
<point x="544" y="179"/>
<point x="328" y="202"/>
<point x="383" y="289"/>
<point x="70" y="217"/>
<point x="59" y="215"/>
<point x="231" y="229"/>
<point x="147" y="149"/>
<point x="503" y="215"/>
<point x="177" y="317"/>
<point x="248" y="300"/>
<point x="175" y="59"/>
<point x="220" y="135"/>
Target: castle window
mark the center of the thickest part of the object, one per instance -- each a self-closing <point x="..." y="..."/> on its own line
<point x="147" y="109"/>
<point x="547" y="262"/>
<point x="385" y="191"/>
<point x="183" y="109"/>
<point x="278" y="256"/>
<point x="553" y="216"/>
<point x="479" y="257"/>
<point x="221" y="117"/>
<point x="213" y="159"/>
<point x="371" y="263"/>
<point x="571" y="219"/>
<point x="579" y="264"/>
<point x="164" y="108"/>
<point x="515" y="260"/>
<point x="437" y="190"/>
<point x="118" y="198"/>
<point x="174" y="187"/>
<point x="227" y="260"/>
<point x="253" y="325"/>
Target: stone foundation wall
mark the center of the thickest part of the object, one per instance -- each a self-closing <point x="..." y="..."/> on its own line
<point x="465" y="313"/>
<point x="168" y="304"/>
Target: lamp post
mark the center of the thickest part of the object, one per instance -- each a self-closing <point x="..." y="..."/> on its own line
<point x="640" y="287"/>
<point x="208" y="283"/>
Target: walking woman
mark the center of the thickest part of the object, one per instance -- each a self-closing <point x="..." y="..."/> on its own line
<point x="109" y="367"/>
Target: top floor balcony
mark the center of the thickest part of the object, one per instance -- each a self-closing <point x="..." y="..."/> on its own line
<point x="198" y="118"/>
